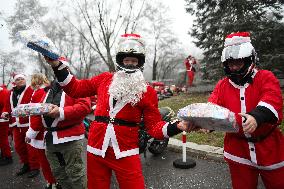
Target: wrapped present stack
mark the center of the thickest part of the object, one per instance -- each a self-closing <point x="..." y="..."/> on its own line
<point x="35" y="39"/>
<point x="209" y="116"/>
<point x="24" y="110"/>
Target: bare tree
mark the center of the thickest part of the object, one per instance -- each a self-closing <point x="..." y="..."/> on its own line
<point x="164" y="46"/>
<point x="100" y="22"/>
<point x="28" y="13"/>
<point x="9" y="65"/>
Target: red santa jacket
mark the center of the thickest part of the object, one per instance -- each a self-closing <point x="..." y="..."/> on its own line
<point x="70" y="123"/>
<point x="24" y="98"/>
<point x="4" y="93"/>
<point x="189" y="62"/>
<point x="123" y="139"/>
<point x="264" y="91"/>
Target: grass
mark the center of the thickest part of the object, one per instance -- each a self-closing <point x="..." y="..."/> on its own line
<point x="214" y="138"/>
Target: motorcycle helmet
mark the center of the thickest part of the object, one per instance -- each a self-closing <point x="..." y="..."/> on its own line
<point x="238" y="47"/>
<point x="130" y="45"/>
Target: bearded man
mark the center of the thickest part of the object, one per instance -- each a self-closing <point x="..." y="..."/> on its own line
<point x="123" y="98"/>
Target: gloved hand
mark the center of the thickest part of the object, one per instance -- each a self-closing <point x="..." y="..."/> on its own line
<point x="51" y="62"/>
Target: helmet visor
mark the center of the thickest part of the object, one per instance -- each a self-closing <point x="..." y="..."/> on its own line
<point x="237" y="51"/>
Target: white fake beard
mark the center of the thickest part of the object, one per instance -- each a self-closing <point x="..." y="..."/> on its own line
<point x="128" y="87"/>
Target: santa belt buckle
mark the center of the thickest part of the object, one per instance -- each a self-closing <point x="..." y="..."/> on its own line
<point x="111" y="120"/>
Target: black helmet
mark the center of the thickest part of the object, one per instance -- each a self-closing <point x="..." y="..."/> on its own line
<point x="238" y="46"/>
<point x="130" y="45"/>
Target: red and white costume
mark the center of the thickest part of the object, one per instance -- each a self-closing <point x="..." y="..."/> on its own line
<point x="72" y="112"/>
<point x="117" y="145"/>
<point x="189" y="62"/>
<point x="267" y="155"/>
<point x="20" y="126"/>
<point x="38" y="142"/>
<point x="4" y="126"/>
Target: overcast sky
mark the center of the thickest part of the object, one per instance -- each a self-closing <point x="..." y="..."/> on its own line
<point x="181" y="24"/>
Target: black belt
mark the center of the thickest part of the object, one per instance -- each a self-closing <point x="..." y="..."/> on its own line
<point x="116" y="121"/>
<point x="52" y="129"/>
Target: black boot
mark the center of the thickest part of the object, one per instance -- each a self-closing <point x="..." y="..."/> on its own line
<point x="33" y="173"/>
<point x="6" y="161"/>
<point x="23" y="170"/>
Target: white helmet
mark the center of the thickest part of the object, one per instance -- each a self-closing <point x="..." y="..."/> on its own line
<point x="130" y="45"/>
<point x="238" y="46"/>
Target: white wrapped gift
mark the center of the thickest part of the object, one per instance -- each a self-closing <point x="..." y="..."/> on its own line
<point x="23" y="110"/>
<point x="209" y="116"/>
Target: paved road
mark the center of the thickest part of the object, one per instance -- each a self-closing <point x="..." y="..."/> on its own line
<point x="159" y="174"/>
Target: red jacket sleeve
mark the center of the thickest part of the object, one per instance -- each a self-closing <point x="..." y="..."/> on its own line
<point x="77" y="111"/>
<point x="83" y="88"/>
<point x="271" y="96"/>
<point x="152" y="117"/>
<point x="35" y="127"/>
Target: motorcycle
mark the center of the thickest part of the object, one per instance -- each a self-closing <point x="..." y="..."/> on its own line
<point x="146" y="142"/>
<point x="154" y="146"/>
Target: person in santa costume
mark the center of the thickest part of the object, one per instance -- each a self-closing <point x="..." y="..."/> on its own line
<point x="39" y="82"/>
<point x="6" y="156"/>
<point x="255" y="97"/>
<point x="189" y="63"/>
<point x="60" y="133"/>
<point x="21" y="94"/>
<point x="123" y="98"/>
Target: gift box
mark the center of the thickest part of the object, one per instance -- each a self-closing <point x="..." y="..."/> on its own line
<point x="36" y="39"/>
<point x="209" y="116"/>
<point x="23" y="110"/>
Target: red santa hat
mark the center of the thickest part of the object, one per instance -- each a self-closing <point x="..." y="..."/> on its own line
<point x="16" y="76"/>
<point x="237" y="45"/>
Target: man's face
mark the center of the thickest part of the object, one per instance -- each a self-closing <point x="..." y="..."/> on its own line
<point x="130" y="61"/>
<point x="235" y="65"/>
<point x="19" y="82"/>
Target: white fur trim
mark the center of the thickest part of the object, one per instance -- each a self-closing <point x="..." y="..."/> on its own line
<point x="244" y="110"/>
<point x="3" y="120"/>
<point x="39" y="144"/>
<point x="12" y="125"/>
<point x="250" y="163"/>
<point x="19" y="102"/>
<point x="67" y="80"/>
<point x="61" y="112"/>
<point x="31" y="133"/>
<point x="118" y="106"/>
<point x="94" y="150"/>
<point x="165" y="130"/>
<point x="18" y="76"/>
<point x="23" y="125"/>
<point x="57" y="140"/>
<point x="270" y="107"/>
<point x="118" y="155"/>
<point x="94" y="107"/>
<point x="236" y="40"/>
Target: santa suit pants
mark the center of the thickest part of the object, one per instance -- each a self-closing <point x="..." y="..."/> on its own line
<point x="244" y="176"/>
<point x="128" y="171"/>
<point x="27" y="153"/>
<point x="190" y="75"/>
<point x="45" y="167"/>
<point x="4" y="142"/>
